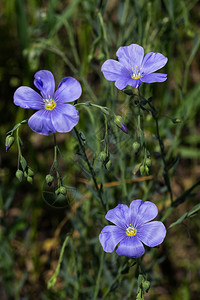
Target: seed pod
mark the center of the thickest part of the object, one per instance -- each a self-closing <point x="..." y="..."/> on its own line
<point x="63" y="190"/>
<point x="19" y="174"/>
<point x="29" y="179"/>
<point x="148" y="162"/>
<point x="49" y="179"/>
<point x="108" y="165"/>
<point x="136" y="146"/>
<point x="142" y="170"/>
<point x="30" y="172"/>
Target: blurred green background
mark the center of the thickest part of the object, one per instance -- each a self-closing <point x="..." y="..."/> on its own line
<point x="74" y="38"/>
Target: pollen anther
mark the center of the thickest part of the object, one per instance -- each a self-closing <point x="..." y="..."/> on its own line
<point x="131" y="231"/>
<point x="49" y="103"/>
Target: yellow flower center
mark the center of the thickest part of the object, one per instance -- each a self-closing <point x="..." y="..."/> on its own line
<point x="136" y="73"/>
<point x="49" y="103"/>
<point x="131" y="231"/>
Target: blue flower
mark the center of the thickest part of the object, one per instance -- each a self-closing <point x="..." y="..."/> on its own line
<point x="132" y="229"/>
<point x="53" y="114"/>
<point x="133" y="67"/>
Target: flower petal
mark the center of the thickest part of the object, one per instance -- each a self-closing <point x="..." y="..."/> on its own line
<point x="64" y="117"/>
<point x="134" y="82"/>
<point x="142" y="212"/>
<point x="26" y="97"/>
<point x="110" y="236"/>
<point x="44" y="81"/>
<point x="121" y="83"/>
<point x="113" y="70"/>
<point x="40" y="122"/>
<point x="154" y="77"/>
<point x="131" y="247"/>
<point x="69" y="89"/>
<point x="153" y="62"/>
<point x="130" y="56"/>
<point x="152" y="233"/>
<point x="119" y="215"/>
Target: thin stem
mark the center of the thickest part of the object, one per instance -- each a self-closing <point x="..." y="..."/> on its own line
<point x="55" y="162"/>
<point x="92" y="172"/>
<point x="166" y="173"/>
<point x="19" y="147"/>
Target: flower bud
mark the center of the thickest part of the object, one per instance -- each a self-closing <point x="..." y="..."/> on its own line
<point x="118" y="120"/>
<point x="30" y="172"/>
<point x="136" y="146"/>
<point x="124" y="128"/>
<point x="146" y="170"/>
<point x="148" y="162"/>
<point x="142" y="170"/>
<point x="29" y="179"/>
<point x="49" y="179"/>
<point x="19" y="175"/>
<point x="63" y="190"/>
<point x="108" y="165"/>
<point x="57" y="191"/>
<point x="145" y="285"/>
<point x="25" y="174"/>
<point x="9" y="142"/>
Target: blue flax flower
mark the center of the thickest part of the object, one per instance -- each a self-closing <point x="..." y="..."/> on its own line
<point x="53" y="113"/>
<point x="132" y="228"/>
<point x="133" y="67"/>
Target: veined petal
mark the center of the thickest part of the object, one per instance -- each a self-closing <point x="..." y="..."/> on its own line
<point x="131" y="247"/>
<point x="154" y="77"/>
<point x="26" y="97"/>
<point x="152" y="233"/>
<point x="121" y="83"/>
<point x="69" y="89"/>
<point x="130" y="56"/>
<point x="134" y="82"/>
<point x="153" y="62"/>
<point x="44" y="81"/>
<point x="113" y="70"/>
<point x="40" y="122"/>
<point x="142" y="212"/>
<point x="119" y="215"/>
<point x="64" y="117"/>
<point x="110" y="236"/>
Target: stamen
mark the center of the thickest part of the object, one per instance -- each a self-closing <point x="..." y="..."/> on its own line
<point x="49" y="103"/>
<point x="136" y="73"/>
<point x="131" y="231"/>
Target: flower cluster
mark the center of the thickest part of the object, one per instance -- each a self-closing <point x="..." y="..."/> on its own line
<point x="53" y="113"/>
<point x="132" y="229"/>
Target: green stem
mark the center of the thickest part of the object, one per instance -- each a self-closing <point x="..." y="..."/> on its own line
<point x="92" y="172"/>
<point x="96" y="291"/>
<point x="55" y="162"/>
<point x="19" y="147"/>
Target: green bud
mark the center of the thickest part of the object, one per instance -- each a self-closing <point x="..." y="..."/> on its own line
<point x="148" y="162"/>
<point x="146" y="285"/>
<point x="19" y="175"/>
<point x="9" y="142"/>
<point x="57" y="191"/>
<point x="142" y="170"/>
<point x="29" y="179"/>
<point x="25" y="174"/>
<point x="49" y="179"/>
<point x="118" y="120"/>
<point x="146" y="170"/>
<point x="30" y="172"/>
<point x="108" y="165"/>
<point x="175" y="120"/>
<point x="102" y="156"/>
<point x="63" y="190"/>
<point x="136" y="146"/>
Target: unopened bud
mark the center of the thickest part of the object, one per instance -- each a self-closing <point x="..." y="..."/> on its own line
<point x="142" y="170"/>
<point x="29" y="179"/>
<point x="136" y="146"/>
<point x="175" y="120"/>
<point x="49" y="179"/>
<point x="57" y="191"/>
<point x="124" y="128"/>
<point x="19" y="175"/>
<point x="30" y="172"/>
<point x="146" y="285"/>
<point x="25" y="174"/>
<point x="63" y="190"/>
<point x="108" y="165"/>
<point x="9" y="142"/>
<point x="118" y="120"/>
<point x="146" y="170"/>
<point x="148" y="162"/>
